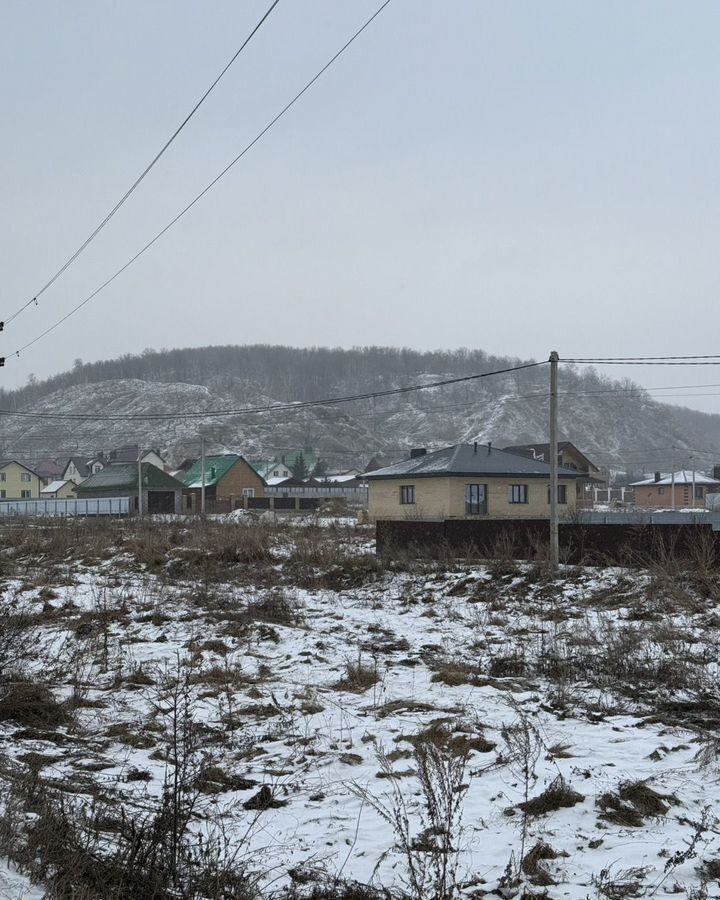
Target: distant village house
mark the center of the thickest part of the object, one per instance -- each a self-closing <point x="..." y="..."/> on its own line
<point x="229" y="481"/>
<point x="683" y="490"/>
<point x="17" y="481"/>
<point x="467" y="481"/>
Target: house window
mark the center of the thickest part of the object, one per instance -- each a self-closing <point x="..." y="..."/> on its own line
<point x="3" y="494"/>
<point x="661" y="490"/>
<point x="248" y="492"/>
<point x="276" y="473"/>
<point x="3" y="476"/>
<point x="25" y="476"/>
<point x="407" y="494"/>
<point x="517" y="493"/>
<point x="698" y="492"/>
<point x="561" y="495"/>
<point x="25" y="495"/>
<point x="475" y="499"/>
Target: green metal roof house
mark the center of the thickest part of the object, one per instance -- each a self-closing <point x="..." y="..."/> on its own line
<point x="229" y="480"/>
<point x="161" y="492"/>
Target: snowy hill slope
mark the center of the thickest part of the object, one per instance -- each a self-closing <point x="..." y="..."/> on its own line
<point x="616" y="428"/>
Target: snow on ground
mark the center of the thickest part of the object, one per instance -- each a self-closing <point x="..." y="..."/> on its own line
<point x="321" y="693"/>
<point x="16" y="887"/>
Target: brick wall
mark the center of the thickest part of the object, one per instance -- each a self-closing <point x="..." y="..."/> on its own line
<point x="240" y="476"/>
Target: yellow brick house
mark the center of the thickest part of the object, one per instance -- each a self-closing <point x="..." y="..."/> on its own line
<point x="17" y="481"/>
<point x="467" y="481"/>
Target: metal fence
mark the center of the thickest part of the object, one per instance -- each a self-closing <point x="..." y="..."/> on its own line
<point x="100" y="506"/>
<point x="647" y="517"/>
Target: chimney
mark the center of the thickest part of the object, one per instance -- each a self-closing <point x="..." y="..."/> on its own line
<point x="417" y="452"/>
<point x="489" y="446"/>
<point x="658" y="476"/>
<point x="716" y="473"/>
<point x="475" y="447"/>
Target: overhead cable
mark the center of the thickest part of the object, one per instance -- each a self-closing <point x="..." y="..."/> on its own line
<point x="93" y="234"/>
<point x="705" y="360"/>
<point x="205" y="190"/>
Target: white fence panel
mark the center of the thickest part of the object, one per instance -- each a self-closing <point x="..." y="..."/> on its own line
<point x="98" y="506"/>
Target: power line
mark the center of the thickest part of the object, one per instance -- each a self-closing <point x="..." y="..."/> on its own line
<point x="207" y="188"/>
<point x="706" y="360"/>
<point x="302" y="404"/>
<point x="93" y="234"/>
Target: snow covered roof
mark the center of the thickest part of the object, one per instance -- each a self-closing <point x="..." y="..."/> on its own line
<point x="684" y="476"/>
<point x="53" y="487"/>
<point x="338" y="479"/>
<point x="470" y="460"/>
<point x="273" y="481"/>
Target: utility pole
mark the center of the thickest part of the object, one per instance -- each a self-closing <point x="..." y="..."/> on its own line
<point x="140" y="497"/>
<point x="692" y="463"/>
<point x="202" y="475"/>
<point x="554" y="537"/>
<point x="672" y="484"/>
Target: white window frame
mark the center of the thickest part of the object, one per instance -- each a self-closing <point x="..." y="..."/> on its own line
<point x="25" y="476"/>
<point x="26" y="495"/>
<point x="407" y="494"/>
<point x="248" y="492"/>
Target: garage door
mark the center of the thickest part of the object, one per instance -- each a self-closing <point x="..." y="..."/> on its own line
<point x="161" y="501"/>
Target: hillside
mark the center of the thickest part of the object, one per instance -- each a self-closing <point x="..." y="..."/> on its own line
<point x="620" y="428"/>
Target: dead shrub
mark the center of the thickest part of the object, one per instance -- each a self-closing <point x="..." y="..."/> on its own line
<point x="633" y="802"/>
<point x="275" y="608"/>
<point x="358" y="677"/>
<point x="31" y="704"/>
<point x="80" y="851"/>
<point x="532" y="864"/>
<point x="557" y="795"/>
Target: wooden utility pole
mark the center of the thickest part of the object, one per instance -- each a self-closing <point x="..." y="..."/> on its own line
<point x="202" y="476"/>
<point x="554" y="537"/>
<point x="140" y="497"/>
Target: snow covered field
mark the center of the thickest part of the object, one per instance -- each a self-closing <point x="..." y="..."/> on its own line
<point x="432" y="729"/>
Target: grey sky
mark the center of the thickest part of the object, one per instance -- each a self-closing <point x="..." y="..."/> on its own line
<point x="516" y="176"/>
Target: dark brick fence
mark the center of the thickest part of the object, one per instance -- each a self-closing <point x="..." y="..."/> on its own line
<point x="611" y="544"/>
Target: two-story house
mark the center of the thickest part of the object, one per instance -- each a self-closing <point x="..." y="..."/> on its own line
<point x="18" y="481"/>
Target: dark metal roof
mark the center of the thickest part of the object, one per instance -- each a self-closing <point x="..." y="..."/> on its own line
<point x="470" y="460"/>
<point x="124" y="477"/>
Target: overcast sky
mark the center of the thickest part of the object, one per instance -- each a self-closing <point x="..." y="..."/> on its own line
<point x="514" y="176"/>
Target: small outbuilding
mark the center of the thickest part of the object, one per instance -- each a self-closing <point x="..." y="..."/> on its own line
<point x="58" y="490"/>
<point x="161" y="492"/>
